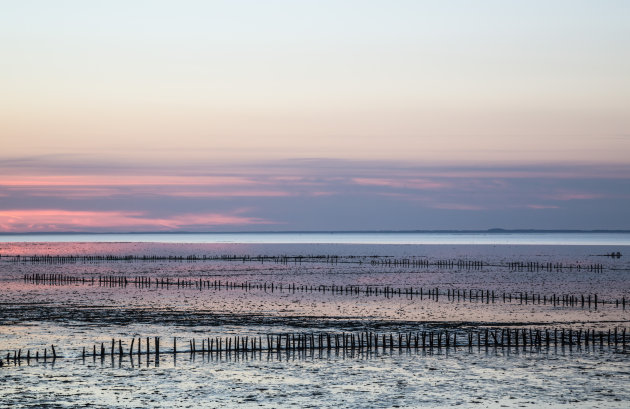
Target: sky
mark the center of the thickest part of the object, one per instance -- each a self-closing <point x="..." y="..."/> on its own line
<point x="244" y="115"/>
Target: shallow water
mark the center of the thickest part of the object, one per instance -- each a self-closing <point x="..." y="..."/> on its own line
<point x="399" y="379"/>
<point x="76" y="315"/>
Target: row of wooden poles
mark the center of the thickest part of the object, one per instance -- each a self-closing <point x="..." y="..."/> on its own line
<point x="361" y="341"/>
<point x="17" y="355"/>
<point x="374" y="260"/>
<point x="476" y="295"/>
<point x="529" y="266"/>
<point x="60" y="259"/>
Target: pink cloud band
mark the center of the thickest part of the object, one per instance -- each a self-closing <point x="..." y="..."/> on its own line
<point x="69" y="220"/>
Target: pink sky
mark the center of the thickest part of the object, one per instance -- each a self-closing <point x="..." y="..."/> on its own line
<point x="330" y="115"/>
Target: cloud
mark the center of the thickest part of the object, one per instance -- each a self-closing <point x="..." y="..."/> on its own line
<point x="401" y="183"/>
<point x="538" y="206"/>
<point x="576" y="196"/>
<point x="32" y="220"/>
<point x="307" y="194"/>
<point x="222" y="193"/>
<point x="124" y="180"/>
<point x="151" y="185"/>
<point x="456" y="206"/>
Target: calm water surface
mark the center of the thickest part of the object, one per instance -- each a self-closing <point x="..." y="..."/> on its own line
<point x="620" y="239"/>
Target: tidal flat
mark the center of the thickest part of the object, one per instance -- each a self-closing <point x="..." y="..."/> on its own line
<point x="316" y="325"/>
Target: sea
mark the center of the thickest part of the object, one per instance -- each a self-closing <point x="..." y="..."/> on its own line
<point x="444" y="238"/>
<point x="563" y="295"/>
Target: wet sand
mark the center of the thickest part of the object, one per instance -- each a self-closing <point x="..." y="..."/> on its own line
<point x="77" y="315"/>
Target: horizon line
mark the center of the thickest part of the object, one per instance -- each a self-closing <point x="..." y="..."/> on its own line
<point x="437" y="231"/>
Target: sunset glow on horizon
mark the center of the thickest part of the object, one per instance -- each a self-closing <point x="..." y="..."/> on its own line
<point x="284" y="115"/>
